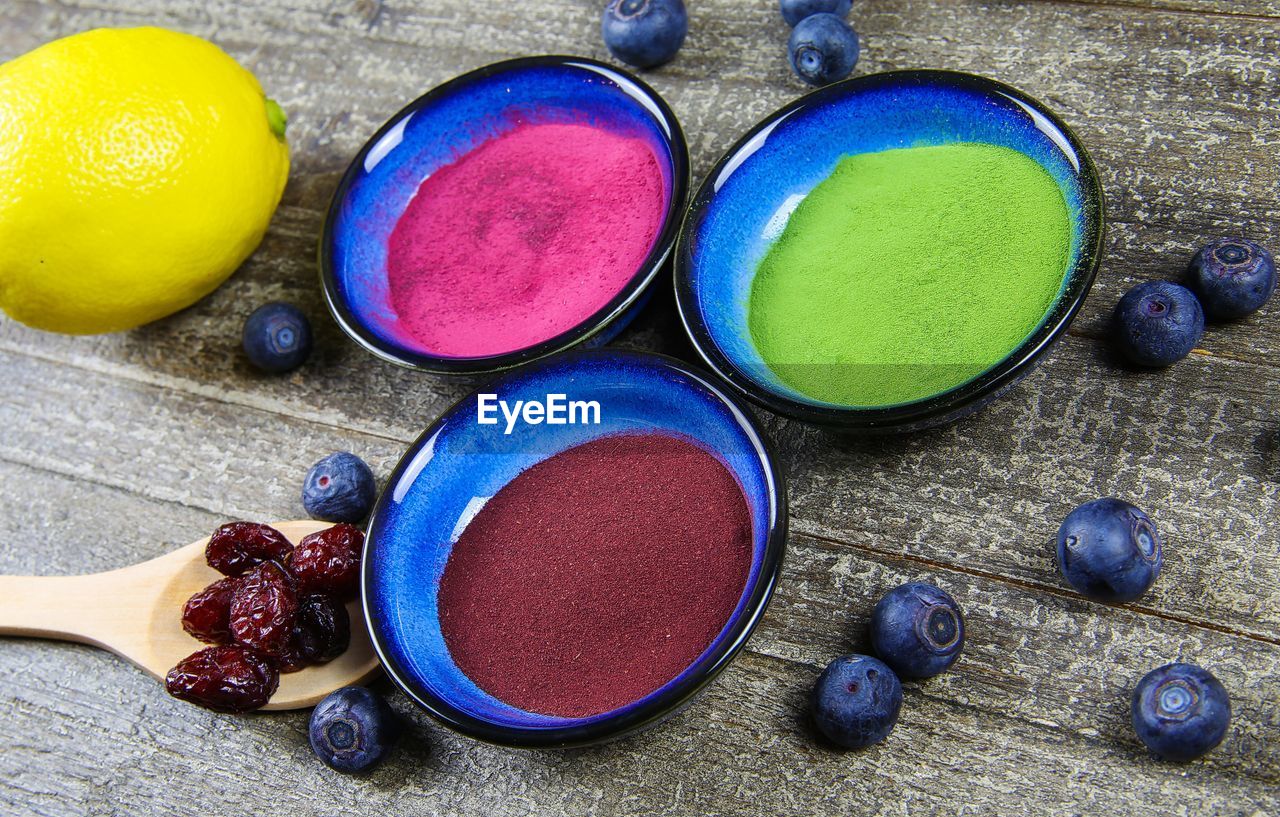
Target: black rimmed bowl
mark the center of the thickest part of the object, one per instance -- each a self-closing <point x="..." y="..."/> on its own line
<point x="442" y="127"/>
<point x="747" y="200"/>
<point x="457" y="465"/>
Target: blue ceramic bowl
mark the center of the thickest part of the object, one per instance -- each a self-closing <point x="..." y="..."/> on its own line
<point x="743" y="202"/>
<point x="443" y="125"/>
<point x="456" y="464"/>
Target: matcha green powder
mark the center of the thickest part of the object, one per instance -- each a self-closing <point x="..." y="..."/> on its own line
<point x="909" y="272"/>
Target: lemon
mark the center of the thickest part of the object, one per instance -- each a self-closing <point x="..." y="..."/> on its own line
<point x="138" y="169"/>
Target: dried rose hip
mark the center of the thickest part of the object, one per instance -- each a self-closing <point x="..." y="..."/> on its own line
<point x="328" y="561"/>
<point x="207" y="614"/>
<point x="321" y="633"/>
<point x="237" y="546"/>
<point x="224" y="679"/>
<point x="264" y="608"/>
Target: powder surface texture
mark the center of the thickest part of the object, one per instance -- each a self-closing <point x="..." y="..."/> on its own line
<point x="908" y="272"/>
<point x="597" y="575"/>
<point x="523" y="237"/>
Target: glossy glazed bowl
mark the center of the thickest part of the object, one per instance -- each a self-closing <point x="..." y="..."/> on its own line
<point x="457" y="465"/>
<point x="747" y="197"/>
<point x="444" y="125"/>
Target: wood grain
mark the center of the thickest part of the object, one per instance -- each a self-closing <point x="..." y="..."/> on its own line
<point x="156" y="436"/>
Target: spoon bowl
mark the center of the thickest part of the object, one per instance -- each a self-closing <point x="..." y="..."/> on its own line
<point x="136" y="613"/>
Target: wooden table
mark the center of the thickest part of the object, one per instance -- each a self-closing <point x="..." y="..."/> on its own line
<point x="117" y="448"/>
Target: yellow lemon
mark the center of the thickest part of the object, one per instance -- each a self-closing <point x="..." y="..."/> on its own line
<point x="138" y="168"/>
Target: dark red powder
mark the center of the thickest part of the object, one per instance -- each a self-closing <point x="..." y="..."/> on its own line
<point x="597" y="575"/>
<point x="523" y="238"/>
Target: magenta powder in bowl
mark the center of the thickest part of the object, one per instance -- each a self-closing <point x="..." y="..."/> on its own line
<point x="509" y="214"/>
<point x="547" y="223"/>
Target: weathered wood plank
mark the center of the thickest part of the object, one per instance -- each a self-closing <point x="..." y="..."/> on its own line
<point x="1181" y="131"/>
<point x="975" y="496"/>
<point x="343" y="387"/>
<point x="234" y="459"/>
<point x="1069" y="663"/>
<point x="1044" y="658"/>
<point x="90" y="699"/>
<point x="1073" y="418"/>
<point x="742" y="749"/>
<point x="166" y="429"/>
<point x="1250" y="9"/>
<point x="52" y="524"/>
<point x="949" y="751"/>
<point x="989" y="493"/>
<point x="1174" y="105"/>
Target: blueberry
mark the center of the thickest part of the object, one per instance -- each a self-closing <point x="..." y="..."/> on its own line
<point x="277" y="337"/>
<point x="793" y="11"/>
<point x="353" y="729"/>
<point x="823" y="49"/>
<point x="856" y="701"/>
<point x="1180" y="711"/>
<point x="918" y="630"/>
<point x="339" y="488"/>
<point x="1158" y="323"/>
<point x="1233" y="277"/>
<point x="644" y="33"/>
<point x="1109" y="550"/>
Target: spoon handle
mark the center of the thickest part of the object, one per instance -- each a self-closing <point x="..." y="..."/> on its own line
<point x="66" y="608"/>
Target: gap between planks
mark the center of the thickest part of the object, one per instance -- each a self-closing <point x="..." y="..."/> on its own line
<point x="134" y="373"/>
<point x="1235" y="15"/>
<point x="370" y="25"/>
<point x="1100" y="336"/>
<point x="1024" y="584"/>
<point x="131" y="373"/>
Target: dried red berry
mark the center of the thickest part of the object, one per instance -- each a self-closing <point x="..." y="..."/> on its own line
<point x="224" y="679"/>
<point x="207" y="614"/>
<point x="321" y="634"/>
<point x="264" y="608"/>
<point x="237" y="546"/>
<point x="328" y="561"/>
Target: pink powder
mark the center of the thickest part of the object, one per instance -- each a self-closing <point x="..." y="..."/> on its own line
<point x="523" y="237"/>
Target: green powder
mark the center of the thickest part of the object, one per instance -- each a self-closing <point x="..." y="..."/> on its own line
<point x="909" y="272"/>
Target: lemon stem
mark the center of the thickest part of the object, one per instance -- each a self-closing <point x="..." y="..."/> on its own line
<point x="276" y="118"/>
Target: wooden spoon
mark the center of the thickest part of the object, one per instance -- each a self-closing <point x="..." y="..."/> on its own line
<point x="136" y="612"/>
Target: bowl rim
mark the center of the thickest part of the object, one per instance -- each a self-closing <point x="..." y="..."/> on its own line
<point x="957" y="401"/>
<point x="740" y="627"/>
<point x="631" y="292"/>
